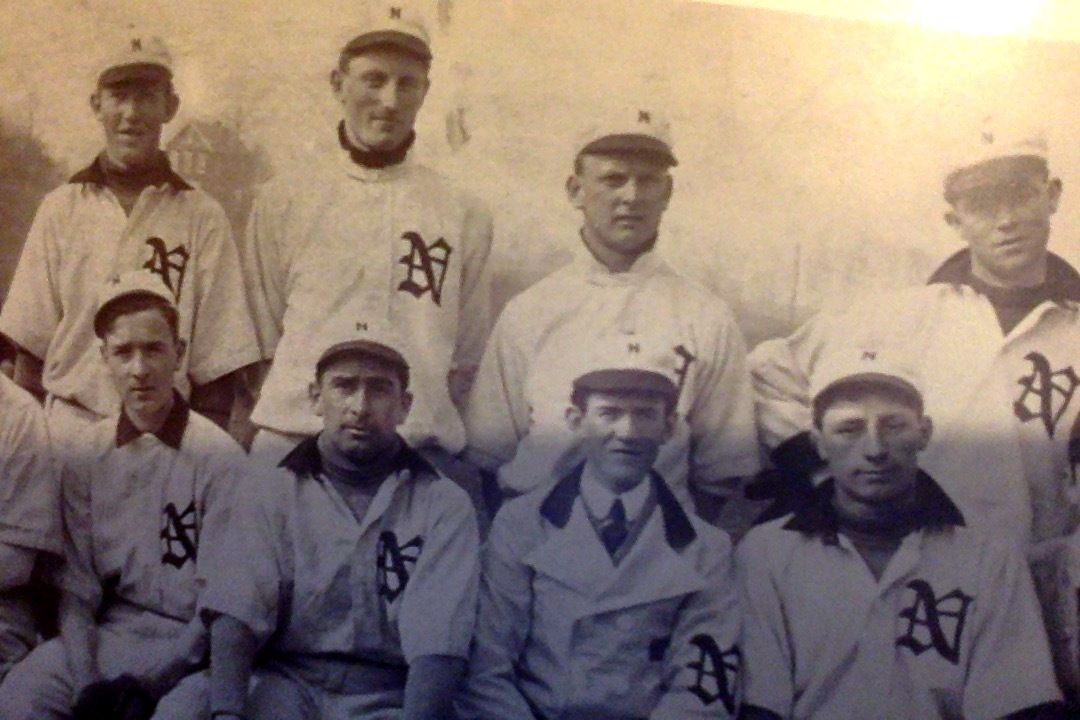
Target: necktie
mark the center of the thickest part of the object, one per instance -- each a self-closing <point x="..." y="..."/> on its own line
<point x="614" y="531"/>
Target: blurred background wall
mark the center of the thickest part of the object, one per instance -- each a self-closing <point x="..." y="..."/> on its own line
<point x="812" y="143"/>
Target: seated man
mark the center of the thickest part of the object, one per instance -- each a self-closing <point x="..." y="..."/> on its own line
<point x="351" y="568"/>
<point x="147" y="492"/>
<point x="29" y="515"/>
<point x="601" y="597"/>
<point x="874" y="599"/>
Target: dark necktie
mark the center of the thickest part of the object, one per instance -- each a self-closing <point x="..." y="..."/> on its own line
<point x="614" y="531"/>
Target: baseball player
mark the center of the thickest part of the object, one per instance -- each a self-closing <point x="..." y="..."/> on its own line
<point x="361" y="563"/>
<point x="29" y="515"/>
<point x="618" y="292"/>
<point x="994" y="338"/>
<point x="875" y="599"/>
<point x="146" y="494"/>
<point x="371" y="237"/>
<point x="126" y="210"/>
<point x="601" y="597"/>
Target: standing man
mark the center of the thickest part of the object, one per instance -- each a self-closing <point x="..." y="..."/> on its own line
<point x="994" y="337"/>
<point x="369" y="239"/>
<point x="619" y="293"/>
<point x="127" y="210"/>
<point x="29" y="516"/>
<point x="601" y="597"/>
<point x="357" y="592"/>
<point x="874" y="599"/>
<point x="144" y="495"/>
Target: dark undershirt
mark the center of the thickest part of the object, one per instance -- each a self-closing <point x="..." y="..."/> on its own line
<point x="357" y="484"/>
<point x="1011" y="305"/>
<point x="374" y="159"/>
<point x="876" y="541"/>
<point x="127" y="185"/>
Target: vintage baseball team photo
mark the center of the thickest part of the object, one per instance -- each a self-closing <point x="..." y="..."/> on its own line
<point x="539" y="360"/>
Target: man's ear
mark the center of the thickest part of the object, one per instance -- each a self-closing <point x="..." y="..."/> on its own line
<point x="336" y="78"/>
<point x="181" y="348"/>
<point x="406" y="405"/>
<point x="815" y="437"/>
<point x="314" y="391"/>
<point x="951" y="218"/>
<point x="573" y="191"/>
<point x="926" y="430"/>
<point x="573" y="417"/>
<point x="1053" y="189"/>
<point x="95" y="101"/>
<point x="172" y="106"/>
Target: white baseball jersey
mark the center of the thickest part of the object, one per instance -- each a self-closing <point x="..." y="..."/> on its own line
<point x="347" y="243"/>
<point x="565" y="632"/>
<point x="545" y="338"/>
<point x="29" y="506"/>
<point x="140" y="510"/>
<point x="951" y="629"/>
<point x="311" y="581"/>
<point x="80" y="237"/>
<point x="1002" y="405"/>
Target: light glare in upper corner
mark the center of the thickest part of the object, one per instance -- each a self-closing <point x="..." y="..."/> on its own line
<point x="976" y="17"/>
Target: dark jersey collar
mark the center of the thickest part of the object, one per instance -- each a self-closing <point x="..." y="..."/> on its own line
<point x="171" y="431"/>
<point x="559" y="503"/>
<point x="818" y="516"/>
<point x="94" y="174"/>
<point x="305" y="460"/>
<point x="1061" y="277"/>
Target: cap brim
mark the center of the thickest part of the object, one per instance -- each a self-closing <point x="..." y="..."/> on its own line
<point x="873" y="379"/>
<point x="630" y="143"/>
<point x="134" y="72"/>
<point x="992" y="172"/>
<point x="106" y="307"/>
<point x="410" y="44"/>
<point x="627" y="380"/>
<point x="361" y="348"/>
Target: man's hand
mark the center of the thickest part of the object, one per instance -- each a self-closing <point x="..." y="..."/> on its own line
<point x="122" y="698"/>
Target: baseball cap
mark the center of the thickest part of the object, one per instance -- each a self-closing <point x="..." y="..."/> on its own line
<point x="364" y="340"/>
<point x="879" y="366"/>
<point x="133" y="283"/>
<point x="137" y="58"/>
<point x="995" y="155"/>
<point x="629" y="130"/>
<point x="627" y="363"/>
<point x="395" y="26"/>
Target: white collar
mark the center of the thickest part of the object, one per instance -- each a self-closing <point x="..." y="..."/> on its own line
<point x="648" y="263"/>
<point x="598" y="498"/>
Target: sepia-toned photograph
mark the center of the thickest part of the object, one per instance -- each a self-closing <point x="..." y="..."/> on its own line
<point x="539" y="359"/>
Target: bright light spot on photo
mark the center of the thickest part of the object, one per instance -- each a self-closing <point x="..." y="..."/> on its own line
<point x="976" y="17"/>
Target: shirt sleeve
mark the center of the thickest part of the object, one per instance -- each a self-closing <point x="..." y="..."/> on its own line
<point x="768" y="661"/>
<point x="222" y="470"/>
<point x="497" y="416"/>
<point x="502" y="626"/>
<point x="32" y="308"/>
<point x="704" y="661"/>
<point x="264" y="268"/>
<point x="223" y="335"/>
<point x="723" y="433"/>
<point x="78" y="575"/>
<point x="1010" y="667"/>
<point x="29" y="477"/>
<point x="243" y="573"/>
<point x="438" y="605"/>
<point x="476" y="305"/>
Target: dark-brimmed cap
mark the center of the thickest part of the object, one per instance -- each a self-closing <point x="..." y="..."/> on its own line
<point x="129" y="284"/>
<point x="627" y="380"/>
<point x="635" y="131"/>
<point x="396" y="27"/>
<point x="137" y="59"/>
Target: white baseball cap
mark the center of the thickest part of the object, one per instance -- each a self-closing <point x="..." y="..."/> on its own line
<point x="995" y="154"/>
<point x="880" y="366"/>
<point x="628" y="130"/>
<point x="628" y="363"/>
<point x="132" y="283"/>
<point x="139" y="57"/>
<point x="396" y="26"/>
<point x="376" y="340"/>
